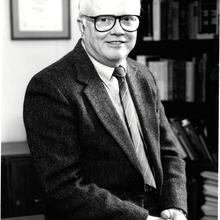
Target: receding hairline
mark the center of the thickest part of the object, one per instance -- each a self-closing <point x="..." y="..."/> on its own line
<point x="83" y="5"/>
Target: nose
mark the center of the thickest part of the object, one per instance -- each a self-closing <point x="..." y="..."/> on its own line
<point x="117" y="29"/>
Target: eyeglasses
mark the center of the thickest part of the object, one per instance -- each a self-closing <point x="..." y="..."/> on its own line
<point x="103" y="23"/>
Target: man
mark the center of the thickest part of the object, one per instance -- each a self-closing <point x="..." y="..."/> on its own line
<point x="101" y="142"/>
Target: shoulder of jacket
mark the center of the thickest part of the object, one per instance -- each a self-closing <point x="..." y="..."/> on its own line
<point x="143" y="70"/>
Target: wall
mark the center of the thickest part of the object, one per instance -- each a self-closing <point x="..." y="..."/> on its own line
<point x="20" y="61"/>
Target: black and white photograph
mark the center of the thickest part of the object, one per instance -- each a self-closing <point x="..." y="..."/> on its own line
<point x="110" y="109"/>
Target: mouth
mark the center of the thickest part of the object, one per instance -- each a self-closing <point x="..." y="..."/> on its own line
<point x="116" y="43"/>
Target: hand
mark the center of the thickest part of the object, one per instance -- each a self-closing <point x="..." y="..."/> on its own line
<point x="173" y="214"/>
<point x="150" y="217"/>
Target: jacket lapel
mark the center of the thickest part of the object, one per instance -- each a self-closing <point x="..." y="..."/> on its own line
<point x="101" y="103"/>
<point x="146" y="109"/>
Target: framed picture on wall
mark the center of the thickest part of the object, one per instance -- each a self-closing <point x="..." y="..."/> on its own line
<point x="40" y="19"/>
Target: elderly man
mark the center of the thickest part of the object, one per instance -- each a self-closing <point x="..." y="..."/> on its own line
<point x="96" y="128"/>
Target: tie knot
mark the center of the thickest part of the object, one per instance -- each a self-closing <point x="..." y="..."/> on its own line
<point x="119" y="71"/>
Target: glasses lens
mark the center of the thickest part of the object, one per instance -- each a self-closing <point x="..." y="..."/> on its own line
<point x="130" y="22"/>
<point x="104" y="23"/>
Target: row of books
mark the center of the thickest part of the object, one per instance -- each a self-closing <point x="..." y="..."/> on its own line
<point x="183" y="80"/>
<point x="180" y="19"/>
<point x="210" y="192"/>
<point x="192" y="140"/>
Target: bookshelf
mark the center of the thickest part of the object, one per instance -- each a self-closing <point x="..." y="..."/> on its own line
<point x="192" y="39"/>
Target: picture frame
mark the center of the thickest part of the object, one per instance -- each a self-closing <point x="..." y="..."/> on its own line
<point x="40" y="19"/>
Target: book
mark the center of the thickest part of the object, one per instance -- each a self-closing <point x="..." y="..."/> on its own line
<point x="157" y="20"/>
<point x="183" y="13"/>
<point x="183" y="139"/>
<point x="180" y="19"/>
<point x="207" y="16"/>
<point x="160" y="72"/>
<point x="211" y="199"/>
<point x="194" y="139"/>
<point x="192" y="19"/>
<point x="209" y="218"/>
<point x="193" y="199"/>
<point x="179" y="146"/>
<point x="190" y="80"/>
<point x="175" y="7"/>
<point x="204" y="14"/>
<point x="179" y="80"/>
<point x="210" y="175"/>
<point x="200" y="74"/>
<point x="210" y="182"/>
<point x="145" y="59"/>
<point x="141" y="59"/>
<point x="147" y="20"/>
<point x="170" y="79"/>
<point x="204" y="60"/>
<point x="163" y="20"/>
<point x="210" y="190"/>
<point x="208" y="19"/>
<point x="169" y="20"/>
<point x="217" y="18"/>
<point x="205" y="147"/>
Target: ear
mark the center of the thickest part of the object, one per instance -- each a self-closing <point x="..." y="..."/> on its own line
<point x="81" y="26"/>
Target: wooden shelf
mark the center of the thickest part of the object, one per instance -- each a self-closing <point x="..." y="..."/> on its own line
<point x="14" y="148"/>
<point x="185" y="109"/>
<point x="177" y="48"/>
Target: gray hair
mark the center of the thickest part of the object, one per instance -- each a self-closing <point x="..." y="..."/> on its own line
<point x="82" y="5"/>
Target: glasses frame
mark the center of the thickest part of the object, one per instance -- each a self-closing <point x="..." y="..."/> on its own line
<point x="94" y="19"/>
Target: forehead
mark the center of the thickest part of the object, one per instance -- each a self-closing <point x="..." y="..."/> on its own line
<point x="114" y="7"/>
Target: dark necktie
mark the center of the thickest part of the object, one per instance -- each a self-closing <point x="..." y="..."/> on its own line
<point x="132" y="123"/>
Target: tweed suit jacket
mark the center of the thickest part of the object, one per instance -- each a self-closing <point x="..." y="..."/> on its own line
<point x="81" y="150"/>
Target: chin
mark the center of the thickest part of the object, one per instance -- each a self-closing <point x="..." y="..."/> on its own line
<point x="117" y="56"/>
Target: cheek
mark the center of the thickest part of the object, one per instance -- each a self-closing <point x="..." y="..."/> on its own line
<point x="132" y="38"/>
<point x="98" y="40"/>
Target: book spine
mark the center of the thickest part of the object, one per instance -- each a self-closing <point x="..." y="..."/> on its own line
<point x="163" y="12"/>
<point x="204" y="73"/>
<point x="169" y="20"/>
<point x="175" y="20"/>
<point x="183" y="13"/>
<point x="141" y="59"/>
<point x="194" y="139"/>
<point x="182" y="80"/>
<point x="190" y="81"/>
<point x="191" y="20"/>
<point x="184" y="139"/>
<point x="180" y="146"/>
<point x="170" y="79"/>
<point x="147" y="21"/>
<point x="175" y="80"/>
<point x="207" y="19"/>
<point x="204" y="16"/>
<point x="164" y="73"/>
<point x="156" y="20"/>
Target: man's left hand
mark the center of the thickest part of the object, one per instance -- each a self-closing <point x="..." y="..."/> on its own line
<point x="173" y="214"/>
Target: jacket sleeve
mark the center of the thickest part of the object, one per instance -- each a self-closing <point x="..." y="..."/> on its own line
<point x="174" y="193"/>
<point x="51" y="126"/>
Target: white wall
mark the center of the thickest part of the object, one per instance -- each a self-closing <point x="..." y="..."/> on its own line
<point x="20" y="61"/>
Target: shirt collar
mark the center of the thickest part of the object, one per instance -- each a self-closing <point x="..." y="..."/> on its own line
<point x="105" y="72"/>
